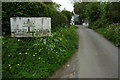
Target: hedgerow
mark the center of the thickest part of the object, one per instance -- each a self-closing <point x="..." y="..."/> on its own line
<point x="111" y="33"/>
<point x="30" y="9"/>
<point x="37" y="57"/>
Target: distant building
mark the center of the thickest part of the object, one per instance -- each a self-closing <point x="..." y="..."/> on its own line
<point x="85" y="23"/>
<point x="75" y="20"/>
<point x="72" y="21"/>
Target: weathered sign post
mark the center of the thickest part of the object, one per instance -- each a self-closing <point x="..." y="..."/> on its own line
<point x="30" y="26"/>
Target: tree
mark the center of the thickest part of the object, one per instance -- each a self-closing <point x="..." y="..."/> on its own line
<point x="99" y="14"/>
<point x="68" y="14"/>
<point x="53" y="5"/>
<point x="80" y="8"/>
<point x="93" y="11"/>
<point x="113" y="12"/>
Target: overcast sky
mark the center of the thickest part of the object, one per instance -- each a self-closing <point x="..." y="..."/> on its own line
<point x="69" y="6"/>
<point x="65" y="4"/>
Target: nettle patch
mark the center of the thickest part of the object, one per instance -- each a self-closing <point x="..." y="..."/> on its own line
<point x="37" y="57"/>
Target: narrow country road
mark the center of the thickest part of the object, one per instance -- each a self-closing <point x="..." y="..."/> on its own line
<point x="96" y="58"/>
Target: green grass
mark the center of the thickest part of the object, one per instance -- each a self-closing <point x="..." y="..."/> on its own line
<point x="38" y="57"/>
<point x="112" y="33"/>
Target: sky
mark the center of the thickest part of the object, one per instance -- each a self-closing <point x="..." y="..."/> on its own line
<point x="65" y="4"/>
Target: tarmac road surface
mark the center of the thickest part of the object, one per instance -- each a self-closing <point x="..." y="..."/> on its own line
<point x="96" y="58"/>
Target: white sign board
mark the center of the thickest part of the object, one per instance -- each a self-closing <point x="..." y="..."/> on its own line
<point x="30" y="26"/>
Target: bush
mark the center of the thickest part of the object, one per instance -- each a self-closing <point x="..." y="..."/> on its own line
<point x="59" y="20"/>
<point x="38" y="57"/>
<point x="100" y="23"/>
<point x="30" y="9"/>
<point x="112" y="33"/>
<point x="68" y="14"/>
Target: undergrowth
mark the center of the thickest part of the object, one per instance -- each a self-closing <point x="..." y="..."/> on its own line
<point x="111" y="33"/>
<point x="37" y="57"/>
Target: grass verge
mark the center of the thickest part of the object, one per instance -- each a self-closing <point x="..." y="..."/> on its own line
<point x="111" y="33"/>
<point x="38" y="57"/>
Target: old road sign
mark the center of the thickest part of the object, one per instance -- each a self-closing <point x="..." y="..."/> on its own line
<point x="30" y="26"/>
